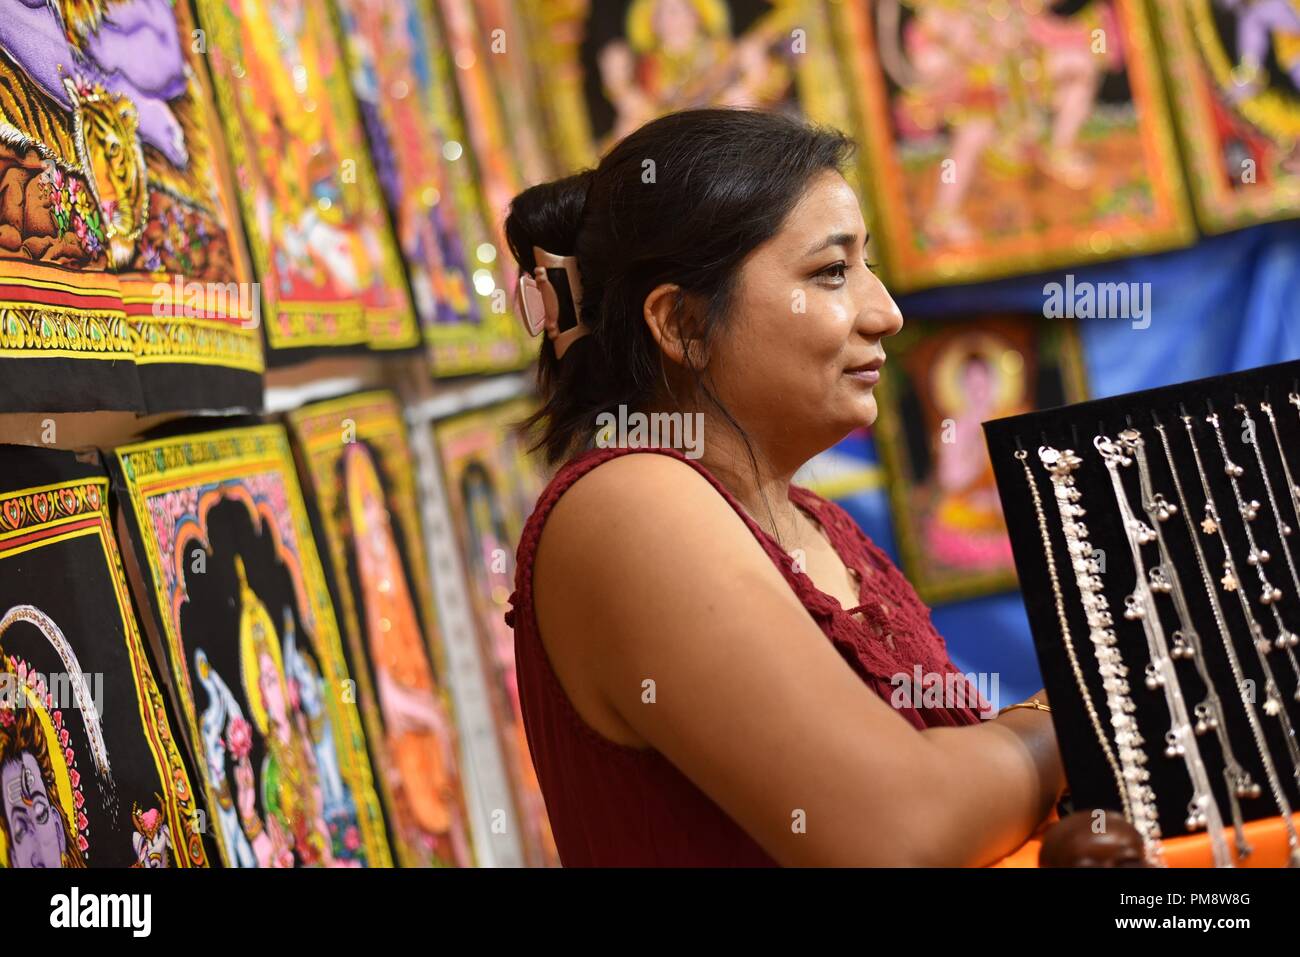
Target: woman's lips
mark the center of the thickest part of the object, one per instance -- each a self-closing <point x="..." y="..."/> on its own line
<point x="868" y="372"/>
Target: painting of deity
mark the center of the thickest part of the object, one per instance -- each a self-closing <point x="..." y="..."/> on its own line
<point x="357" y="467"/>
<point x="330" y="271"/>
<point x="492" y="486"/>
<point x="1007" y="138"/>
<point x="232" y="578"/>
<point x="90" y="772"/>
<point x="397" y="62"/>
<point x="1234" y="75"/>
<point x="124" y="282"/>
<point x="945" y="378"/>
<point x="611" y="67"/>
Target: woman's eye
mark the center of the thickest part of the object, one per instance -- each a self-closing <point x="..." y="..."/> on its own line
<point x="835" y="272"/>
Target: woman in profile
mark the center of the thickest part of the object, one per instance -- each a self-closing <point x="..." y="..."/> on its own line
<point x="707" y="654"/>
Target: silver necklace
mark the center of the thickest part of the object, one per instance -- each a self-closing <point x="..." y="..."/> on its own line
<point x="1270" y="594"/>
<point x="1283" y="529"/>
<point x="1234" y="662"/>
<point x="1110" y="664"/>
<point x="1273" y="705"/>
<point x="1187" y="645"/>
<point x="1140" y="606"/>
<point x="1090" y="567"/>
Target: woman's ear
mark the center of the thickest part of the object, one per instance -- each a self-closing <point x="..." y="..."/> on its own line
<point x="668" y="315"/>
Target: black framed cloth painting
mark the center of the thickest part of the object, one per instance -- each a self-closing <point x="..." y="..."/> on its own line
<point x="90" y="773"/>
<point x="235" y="588"/>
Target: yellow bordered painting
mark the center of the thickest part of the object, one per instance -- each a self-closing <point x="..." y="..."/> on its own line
<point x="317" y="226"/>
<point x="402" y="77"/>
<point x="1006" y="137"/>
<point x="610" y="67"/>
<point x="123" y="273"/>
<point x="1234" y="76"/>
<point x="239" y="595"/>
<point x="90" y="773"/>
<point x="357" y="467"/>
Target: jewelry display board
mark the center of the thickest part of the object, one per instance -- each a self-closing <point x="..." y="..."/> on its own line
<point x="1157" y="540"/>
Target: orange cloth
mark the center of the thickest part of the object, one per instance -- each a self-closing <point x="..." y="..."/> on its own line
<point x="1267" y="837"/>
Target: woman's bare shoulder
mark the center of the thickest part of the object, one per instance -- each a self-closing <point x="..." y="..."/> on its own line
<point x="640" y="523"/>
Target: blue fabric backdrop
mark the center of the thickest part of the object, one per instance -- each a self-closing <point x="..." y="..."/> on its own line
<point x="1230" y="302"/>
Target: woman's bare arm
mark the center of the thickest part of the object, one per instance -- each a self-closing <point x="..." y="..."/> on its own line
<point x="645" y="573"/>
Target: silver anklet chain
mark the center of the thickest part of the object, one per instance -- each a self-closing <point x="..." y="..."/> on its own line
<point x="1257" y="557"/>
<point x="1273" y="705"/>
<point x="1128" y="740"/>
<point x="1234" y="662"/>
<point x="1140" y="606"/>
<point x="1187" y="645"/>
<point x="1089" y="566"/>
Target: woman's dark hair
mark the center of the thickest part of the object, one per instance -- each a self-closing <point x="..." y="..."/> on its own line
<point x="684" y="199"/>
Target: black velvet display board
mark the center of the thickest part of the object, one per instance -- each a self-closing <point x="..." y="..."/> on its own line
<point x="1092" y="783"/>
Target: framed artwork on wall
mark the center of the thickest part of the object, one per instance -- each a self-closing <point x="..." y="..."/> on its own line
<point x="1010" y="138"/>
<point x="942" y="380"/>
<point x="357" y="466"/>
<point x="330" y="272"/>
<point x="124" y="282"/>
<point x="1234" y="76"/>
<point x="230" y="573"/>
<point x="91" y="772"/>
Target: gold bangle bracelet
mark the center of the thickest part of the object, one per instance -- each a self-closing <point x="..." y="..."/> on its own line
<point x="1031" y="703"/>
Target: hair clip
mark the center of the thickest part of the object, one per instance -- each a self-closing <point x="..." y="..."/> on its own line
<point x="538" y="302"/>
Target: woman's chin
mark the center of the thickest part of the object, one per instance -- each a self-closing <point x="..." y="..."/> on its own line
<point x="858" y="413"/>
<point x="865" y="411"/>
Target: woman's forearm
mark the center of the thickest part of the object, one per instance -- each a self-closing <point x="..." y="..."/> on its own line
<point x="996" y="782"/>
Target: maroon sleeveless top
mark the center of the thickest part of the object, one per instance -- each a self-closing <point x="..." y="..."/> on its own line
<point x="614" y="805"/>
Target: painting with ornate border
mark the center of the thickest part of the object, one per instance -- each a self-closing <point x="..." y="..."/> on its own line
<point x="330" y="271"/>
<point x="1234" y="75"/>
<point x="609" y="67"/>
<point x="1010" y="140"/>
<point x="124" y="281"/>
<point x="516" y="82"/>
<point x="400" y="74"/>
<point x="943" y="378"/>
<point x="228" y="569"/>
<point x="90" y="772"/>
<point x="492" y="485"/>
<point x="357" y="466"/>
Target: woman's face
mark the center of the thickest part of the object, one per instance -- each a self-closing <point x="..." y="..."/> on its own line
<point x="798" y="363"/>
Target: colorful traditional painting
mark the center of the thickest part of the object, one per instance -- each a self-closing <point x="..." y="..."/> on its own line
<point x="90" y="773"/>
<point x="235" y="585"/>
<point x="318" y="229"/>
<point x="1010" y="137"/>
<point x="484" y="124"/>
<point x="491" y="489"/>
<point x="407" y="104"/>
<point x="358" y="468"/>
<point x="512" y="64"/>
<point x="1234" y="74"/>
<point x="610" y="67"/>
<point x="944" y="378"/>
<point x="124" y="283"/>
